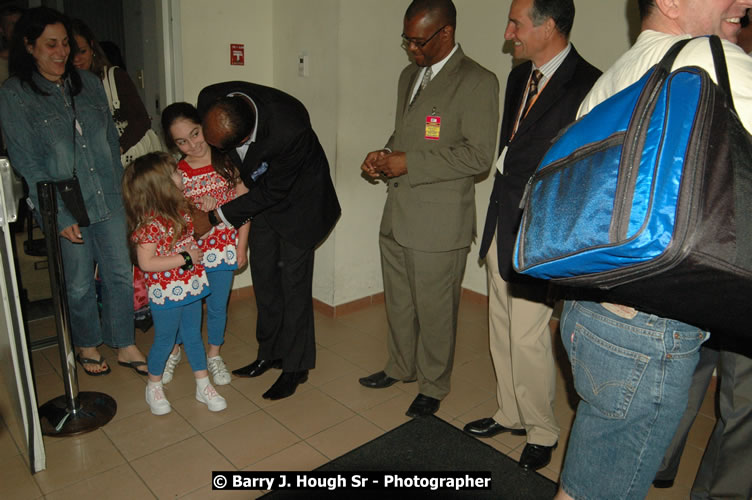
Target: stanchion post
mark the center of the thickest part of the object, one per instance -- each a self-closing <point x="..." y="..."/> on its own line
<point x="74" y="412"/>
<point x="48" y="209"/>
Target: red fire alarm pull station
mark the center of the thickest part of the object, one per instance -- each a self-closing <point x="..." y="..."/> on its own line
<point x="237" y="54"/>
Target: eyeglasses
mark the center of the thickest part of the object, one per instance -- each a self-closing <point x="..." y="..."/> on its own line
<point x="406" y="42"/>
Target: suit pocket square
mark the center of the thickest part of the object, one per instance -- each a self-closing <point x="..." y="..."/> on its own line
<point x="259" y="171"/>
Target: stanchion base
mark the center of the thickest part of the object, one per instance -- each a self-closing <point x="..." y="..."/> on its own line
<point x="57" y="420"/>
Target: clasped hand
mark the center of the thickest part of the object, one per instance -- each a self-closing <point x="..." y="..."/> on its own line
<point x="384" y="163"/>
<point x="207" y="203"/>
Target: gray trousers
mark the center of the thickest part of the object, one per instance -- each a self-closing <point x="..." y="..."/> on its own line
<point x="725" y="470"/>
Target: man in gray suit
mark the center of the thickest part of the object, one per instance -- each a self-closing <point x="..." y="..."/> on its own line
<point x="444" y="135"/>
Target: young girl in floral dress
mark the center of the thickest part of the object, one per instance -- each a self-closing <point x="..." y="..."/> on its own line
<point x="210" y="180"/>
<point x="161" y="235"/>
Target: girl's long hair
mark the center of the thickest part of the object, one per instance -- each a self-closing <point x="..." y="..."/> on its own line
<point x="148" y="191"/>
<point x="220" y="161"/>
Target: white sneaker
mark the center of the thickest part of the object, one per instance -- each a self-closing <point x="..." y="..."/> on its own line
<point x="155" y="398"/>
<point x="218" y="370"/>
<point x="169" y="369"/>
<point x="211" y="398"/>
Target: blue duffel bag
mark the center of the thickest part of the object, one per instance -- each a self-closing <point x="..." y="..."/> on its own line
<point x="648" y="198"/>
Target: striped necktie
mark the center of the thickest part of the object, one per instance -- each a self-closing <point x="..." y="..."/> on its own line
<point x="532" y="88"/>
<point x="423" y="84"/>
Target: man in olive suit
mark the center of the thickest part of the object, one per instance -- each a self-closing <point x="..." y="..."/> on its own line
<point x="444" y="135"/>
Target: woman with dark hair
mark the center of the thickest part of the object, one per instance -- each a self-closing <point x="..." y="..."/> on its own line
<point x="58" y="126"/>
<point x="91" y="57"/>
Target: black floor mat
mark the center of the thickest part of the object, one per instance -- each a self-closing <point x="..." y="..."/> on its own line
<point x="430" y="444"/>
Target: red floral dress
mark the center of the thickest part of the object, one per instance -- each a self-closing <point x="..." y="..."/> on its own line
<point x="174" y="287"/>
<point x="220" y="245"/>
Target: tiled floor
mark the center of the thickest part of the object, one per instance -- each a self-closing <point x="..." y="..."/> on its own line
<point x="138" y="455"/>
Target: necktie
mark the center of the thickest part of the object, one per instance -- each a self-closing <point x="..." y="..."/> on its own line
<point x="532" y="89"/>
<point x="423" y="84"/>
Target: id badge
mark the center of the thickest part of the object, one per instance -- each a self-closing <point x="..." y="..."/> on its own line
<point x="433" y="127"/>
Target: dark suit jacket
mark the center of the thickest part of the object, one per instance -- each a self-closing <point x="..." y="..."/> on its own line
<point x="295" y="194"/>
<point x="555" y="108"/>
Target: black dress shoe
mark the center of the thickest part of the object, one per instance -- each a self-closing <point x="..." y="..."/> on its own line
<point x="663" y="483"/>
<point x="378" y="380"/>
<point x="487" y="427"/>
<point x="286" y="384"/>
<point x="257" y="368"/>
<point x="423" y="406"/>
<point x="535" y="456"/>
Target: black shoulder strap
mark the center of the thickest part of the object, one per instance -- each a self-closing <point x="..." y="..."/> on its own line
<point x="660" y="73"/>
<point x="668" y="59"/>
<point x="721" y="69"/>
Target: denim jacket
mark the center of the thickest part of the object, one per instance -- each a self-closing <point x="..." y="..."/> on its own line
<point x="43" y="142"/>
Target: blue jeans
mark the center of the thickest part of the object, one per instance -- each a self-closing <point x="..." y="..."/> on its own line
<point x="105" y="243"/>
<point x="220" y="284"/>
<point x="167" y="323"/>
<point x="633" y="375"/>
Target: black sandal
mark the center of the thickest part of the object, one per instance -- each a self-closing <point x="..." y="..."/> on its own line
<point x="89" y="361"/>
<point x="134" y="365"/>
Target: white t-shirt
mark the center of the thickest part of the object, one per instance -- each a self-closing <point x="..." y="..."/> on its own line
<point x="651" y="46"/>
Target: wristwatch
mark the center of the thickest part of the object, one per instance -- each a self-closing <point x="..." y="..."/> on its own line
<point x="213" y="220"/>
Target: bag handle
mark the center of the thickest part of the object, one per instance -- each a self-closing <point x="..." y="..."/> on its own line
<point x="110" y="88"/>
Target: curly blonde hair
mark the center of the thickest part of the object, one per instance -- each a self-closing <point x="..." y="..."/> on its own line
<point x="149" y="191"/>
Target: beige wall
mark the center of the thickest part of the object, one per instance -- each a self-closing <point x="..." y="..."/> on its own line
<point x="355" y="57"/>
<point x="310" y="27"/>
<point x="208" y="29"/>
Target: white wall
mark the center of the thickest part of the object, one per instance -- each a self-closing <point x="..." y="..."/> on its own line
<point x="355" y="58"/>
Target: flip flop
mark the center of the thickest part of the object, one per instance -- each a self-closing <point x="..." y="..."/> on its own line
<point x="134" y="365"/>
<point x="90" y="361"/>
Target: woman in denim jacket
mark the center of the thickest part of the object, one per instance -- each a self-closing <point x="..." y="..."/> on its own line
<point x="56" y="119"/>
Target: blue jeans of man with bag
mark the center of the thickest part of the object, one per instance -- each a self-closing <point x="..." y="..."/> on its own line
<point x="633" y="373"/>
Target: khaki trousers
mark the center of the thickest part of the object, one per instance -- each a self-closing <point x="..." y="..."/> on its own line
<point x="422" y="296"/>
<point x="520" y="342"/>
